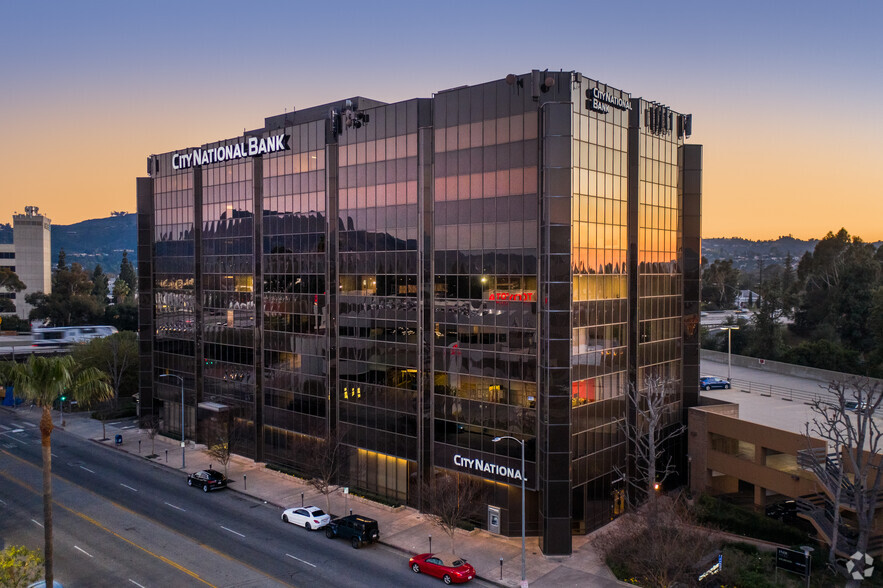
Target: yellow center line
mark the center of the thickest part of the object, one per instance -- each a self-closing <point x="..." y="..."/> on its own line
<point x="123" y="508"/>
<point x="139" y="515"/>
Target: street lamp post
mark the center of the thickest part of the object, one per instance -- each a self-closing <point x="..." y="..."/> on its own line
<point x="729" y="330"/>
<point x="523" y="478"/>
<point x="180" y="379"/>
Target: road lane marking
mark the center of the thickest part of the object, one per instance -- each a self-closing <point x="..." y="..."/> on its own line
<point x="115" y="534"/>
<point x="164" y="559"/>
<point x="178" y="507"/>
<point x="87" y="469"/>
<point x="135" y="583"/>
<point x="232" y="531"/>
<point x="83" y="550"/>
<point x="36" y="523"/>
<point x="5" y="427"/>
<point x="17" y="425"/>
<point x="300" y="560"/>
<point x="112" y="424"/>
<point x="129" y="427"/>
<point x="1" y="502"/>
<point x="52" y="454"/>
<point x="129" y="487"/>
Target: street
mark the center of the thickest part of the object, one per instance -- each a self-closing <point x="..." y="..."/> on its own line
<point x="121" y="521"/>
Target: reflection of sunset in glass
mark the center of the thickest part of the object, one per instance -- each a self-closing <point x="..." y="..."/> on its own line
<point x="782" y="103"/>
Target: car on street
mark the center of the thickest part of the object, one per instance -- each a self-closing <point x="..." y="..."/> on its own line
<point x="207" y="480"/>
<point x="308" y="517"/>
<point x="358" y="529"/>
<point x="711" y="382"/>
<point x="450" y="568"/>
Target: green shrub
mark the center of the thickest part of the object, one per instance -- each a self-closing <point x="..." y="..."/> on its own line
<point x="743" y="521"/>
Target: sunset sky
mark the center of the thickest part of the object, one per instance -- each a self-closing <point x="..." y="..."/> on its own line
<point x="785" y="95"/>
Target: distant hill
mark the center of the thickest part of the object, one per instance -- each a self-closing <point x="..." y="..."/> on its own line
<point x="100" y="240"/>
<point x="90" y="242"/>
<point x="103" y="240"/>
<point x="745" y="253"/>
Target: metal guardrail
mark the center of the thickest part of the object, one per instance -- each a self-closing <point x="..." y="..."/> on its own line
<point x="23" y="352"/>
<point x="789" y="394"/>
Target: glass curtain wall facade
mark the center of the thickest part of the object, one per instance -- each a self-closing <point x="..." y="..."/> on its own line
<point x="413" y="280"/>
<point x="295" y="303"/>
<point x="378" y="322"/>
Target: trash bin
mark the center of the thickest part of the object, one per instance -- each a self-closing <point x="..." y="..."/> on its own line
<point x="118" y="439"/>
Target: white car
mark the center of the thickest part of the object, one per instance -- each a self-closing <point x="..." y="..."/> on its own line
<point x="308" y="517"/>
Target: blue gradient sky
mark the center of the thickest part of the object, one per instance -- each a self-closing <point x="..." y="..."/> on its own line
<point x="785" y="95"/>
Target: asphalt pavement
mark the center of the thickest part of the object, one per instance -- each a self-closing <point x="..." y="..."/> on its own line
<point x="402" y="528"/>
<point x="121" y="520"/>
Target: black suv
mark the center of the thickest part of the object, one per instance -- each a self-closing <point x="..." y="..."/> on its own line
<point x="358" y="529"/>
<point x="207" y="480"/>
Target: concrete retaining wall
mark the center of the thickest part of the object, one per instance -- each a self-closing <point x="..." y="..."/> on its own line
<point x="787" y="369"/>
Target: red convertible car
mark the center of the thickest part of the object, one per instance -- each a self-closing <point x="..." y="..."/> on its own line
<point x="450" y="568"/>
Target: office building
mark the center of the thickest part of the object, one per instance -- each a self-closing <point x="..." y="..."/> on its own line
<point x="32" y="238"/>
<point x="422" y="277"/>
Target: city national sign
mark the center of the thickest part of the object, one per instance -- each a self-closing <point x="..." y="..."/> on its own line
<point x="254" y="146"/>
<point x="487" y="467"/>
<point x="600" y="101"/>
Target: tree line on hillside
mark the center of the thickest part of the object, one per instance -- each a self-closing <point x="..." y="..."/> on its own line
<point x="825" y="312"/>
<point x="78" y="297"/>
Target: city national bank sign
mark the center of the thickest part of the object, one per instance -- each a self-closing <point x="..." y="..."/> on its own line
<point x="487" y="467"/>
<point x="254" y="146"/>
<point x="599" y="101"/>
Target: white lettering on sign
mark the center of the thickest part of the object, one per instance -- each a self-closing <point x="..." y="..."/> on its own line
<point x="487" y="467"/>
<point x="254" y="146"/>
<point x="598" y="101"/>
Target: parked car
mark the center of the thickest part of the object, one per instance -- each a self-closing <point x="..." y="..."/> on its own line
<point x="711" y="382"/>
<point x="784" y="511"/>
<point x="207" y="480"/>
<point x="358" y="529"/>
<point x="450" y="568"/>
<point x="308" y="517"/>
<point x="855" y="406"/>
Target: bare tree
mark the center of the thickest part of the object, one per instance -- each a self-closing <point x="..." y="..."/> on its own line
<point x="452" y="501"/>
<point x="652" y="429"/>
<point x="852" y="472"/>
<point x="226" y="441"/>
<point x="151" y="424"/>
<point x="657" y="545"/>
<point x="322" y="461"/>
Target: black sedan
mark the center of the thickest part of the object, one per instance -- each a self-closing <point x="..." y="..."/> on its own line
<point x="710" y="383"/>
<point x="207" y="480"/>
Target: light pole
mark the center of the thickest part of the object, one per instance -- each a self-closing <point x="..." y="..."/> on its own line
<point x="523" y="478"/>
<point x="729" y="330"/>
<point x="180" y="379"/>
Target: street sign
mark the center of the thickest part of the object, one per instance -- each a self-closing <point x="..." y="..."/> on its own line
<point x="791" y="560"/>
<point x="715" y="569"/>
<point x="346" y="490"/>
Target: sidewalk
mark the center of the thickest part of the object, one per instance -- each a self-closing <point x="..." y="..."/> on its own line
<point x="402" y="528"/>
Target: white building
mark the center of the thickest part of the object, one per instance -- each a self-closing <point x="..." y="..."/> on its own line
<point x="32" y="258"/>
<point x="746" y="298"/>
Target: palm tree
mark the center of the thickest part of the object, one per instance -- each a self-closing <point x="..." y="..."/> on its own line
<point x="43" y="380"/>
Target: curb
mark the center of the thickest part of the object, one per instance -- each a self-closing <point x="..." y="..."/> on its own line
<point x="158" y="464"/>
